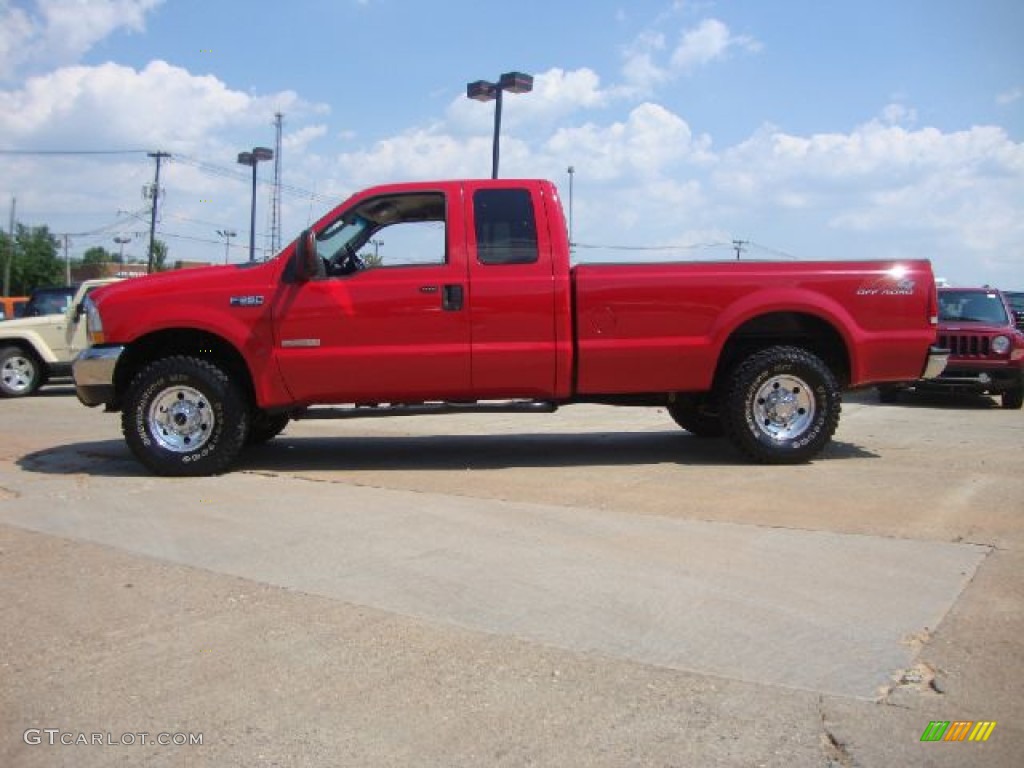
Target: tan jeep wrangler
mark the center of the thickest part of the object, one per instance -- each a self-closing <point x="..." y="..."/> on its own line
<point x="36" y="349"/>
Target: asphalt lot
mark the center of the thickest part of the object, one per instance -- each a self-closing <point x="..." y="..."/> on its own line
<point x="593" y="587"/>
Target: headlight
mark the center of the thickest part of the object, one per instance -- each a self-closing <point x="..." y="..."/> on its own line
<point x="1000" y="345"/>
<point x="93" y="323"/>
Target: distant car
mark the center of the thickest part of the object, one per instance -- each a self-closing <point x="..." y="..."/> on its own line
<point x="1016" y="299"/>
<point x="52" y="300"/>
<point x="986" y="347"/>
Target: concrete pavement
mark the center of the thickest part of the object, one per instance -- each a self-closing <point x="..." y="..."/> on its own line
<point x="594" y="587"/>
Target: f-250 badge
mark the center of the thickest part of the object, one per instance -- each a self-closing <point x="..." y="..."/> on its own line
<point x="246" y="301"/>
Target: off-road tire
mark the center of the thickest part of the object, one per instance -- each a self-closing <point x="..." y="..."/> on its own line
<point x="692" y="415"/>
<point x="264" y="426"/>
<point x="781" y="406"/>
<point x="1013" y="399"/>
<point x="184" y="417"/>
<point x="21" y="373"/>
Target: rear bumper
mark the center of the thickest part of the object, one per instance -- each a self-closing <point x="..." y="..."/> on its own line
<point x="93" y="371"/>
<point x="938" y="359"/>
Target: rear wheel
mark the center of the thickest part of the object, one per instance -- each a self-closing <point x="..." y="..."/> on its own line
<point x="782" y="406"/>
<point x="184" y="417"/>
<point x="21" y="373"/>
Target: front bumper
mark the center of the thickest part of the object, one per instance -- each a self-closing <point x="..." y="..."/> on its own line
<point x="960" y="376"/>
<point x="938" y="358"/>
<point x="93" y="371"/>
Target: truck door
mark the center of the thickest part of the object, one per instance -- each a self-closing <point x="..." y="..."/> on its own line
<point x="514" y="307"/>
<point x="388" y="320"/>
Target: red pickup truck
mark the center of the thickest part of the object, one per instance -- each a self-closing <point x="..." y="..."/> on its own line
<point x="459" y="295"/>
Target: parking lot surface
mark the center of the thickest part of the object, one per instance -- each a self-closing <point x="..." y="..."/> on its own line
<point x="593" y="587"/>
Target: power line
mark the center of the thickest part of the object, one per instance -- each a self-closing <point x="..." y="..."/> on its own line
<point x="690" y="247"/>
<point x="45" y="152"/>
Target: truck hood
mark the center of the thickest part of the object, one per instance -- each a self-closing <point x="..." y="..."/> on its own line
<point x="181" y="281"/>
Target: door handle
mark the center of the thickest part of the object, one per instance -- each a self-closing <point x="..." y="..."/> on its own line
<point x="452" y="298"/>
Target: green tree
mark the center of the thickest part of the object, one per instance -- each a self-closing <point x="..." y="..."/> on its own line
<point x="97" y="255"/>
<point x="34" y="261"/>
<point x="159" y="255"/>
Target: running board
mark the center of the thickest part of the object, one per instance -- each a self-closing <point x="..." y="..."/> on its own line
<point x="424" y="409"/>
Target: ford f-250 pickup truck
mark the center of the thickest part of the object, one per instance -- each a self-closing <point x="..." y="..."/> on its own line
<point x="459" y="295"/>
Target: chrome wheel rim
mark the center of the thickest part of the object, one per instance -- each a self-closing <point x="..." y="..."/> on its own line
<point x="783" y="407"/>
<point x="181" y="419"/>
<point x="18" y="373"/>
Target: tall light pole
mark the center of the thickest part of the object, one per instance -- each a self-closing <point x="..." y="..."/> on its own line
<point x="227" y="234"/>
<point x="482" y="90"/>
<point x="253" y="159"/>
<point x="121" y="240"/>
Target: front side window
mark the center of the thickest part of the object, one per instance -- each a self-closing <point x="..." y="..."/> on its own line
<point x="389" y="231"/>
<point x="506" y="228"/>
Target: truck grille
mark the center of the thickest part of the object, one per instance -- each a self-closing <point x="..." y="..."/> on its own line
<point x="965" y="344"/>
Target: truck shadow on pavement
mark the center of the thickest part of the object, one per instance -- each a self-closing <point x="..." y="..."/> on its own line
<point x="111" y="458"/>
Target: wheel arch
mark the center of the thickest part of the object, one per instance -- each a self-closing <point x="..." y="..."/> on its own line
<point x="30" y="343"/>
<point x="192" y="342"/>
<point x="787" y="328"/>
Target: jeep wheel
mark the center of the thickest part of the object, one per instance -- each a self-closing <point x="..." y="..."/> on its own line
<point x="184" y="417"/>
<point x="20" y="372"/>
<point x="1013" y="399"/>
<point x="782" y="406"/>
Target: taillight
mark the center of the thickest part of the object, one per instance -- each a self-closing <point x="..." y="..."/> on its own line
<point x="933" y="305"/>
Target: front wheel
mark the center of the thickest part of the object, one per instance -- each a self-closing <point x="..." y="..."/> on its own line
<point x="781" y="406"/>
<point x="184" y="417"/>
<point x="1013" y="399"/>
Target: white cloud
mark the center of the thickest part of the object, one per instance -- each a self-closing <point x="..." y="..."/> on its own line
<point x="160" y="106"/>
<point x="648" y="143"/>
<point x="300" y="139"/>
<point x="1010" y="97"/>
<point x="707" y="42"/>
<point x="954" y="197"/>
<point x="58" y="32"/>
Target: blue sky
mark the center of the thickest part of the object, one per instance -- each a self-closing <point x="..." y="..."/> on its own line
<point x="811" y="129"/>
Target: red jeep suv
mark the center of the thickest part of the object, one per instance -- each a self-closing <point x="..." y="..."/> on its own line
<point x="986" y="347"/>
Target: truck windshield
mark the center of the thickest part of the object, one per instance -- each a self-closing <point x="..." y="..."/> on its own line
<point x="972" y="307"/>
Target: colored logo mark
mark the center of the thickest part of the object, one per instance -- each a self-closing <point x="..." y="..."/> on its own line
<point x="958" y="730"/>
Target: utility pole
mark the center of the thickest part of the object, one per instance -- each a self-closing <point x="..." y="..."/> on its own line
<point x="739" y="245"/>
<point x="10" y="251"/>
<point x="67" y="261"/>
<point x="156" y="196"/>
